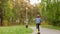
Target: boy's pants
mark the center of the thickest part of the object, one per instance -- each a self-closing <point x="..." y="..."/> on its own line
<point x="37" y="26"/>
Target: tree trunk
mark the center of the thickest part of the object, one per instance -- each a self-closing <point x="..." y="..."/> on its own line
<point x="1" y="17"/>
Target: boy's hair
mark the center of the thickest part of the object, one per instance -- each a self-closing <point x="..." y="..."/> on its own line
<point x="38" y="16"/>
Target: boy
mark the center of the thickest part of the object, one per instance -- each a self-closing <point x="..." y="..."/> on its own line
<point x="38" y="20"/>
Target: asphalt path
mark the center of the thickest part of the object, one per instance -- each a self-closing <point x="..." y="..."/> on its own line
<point x="45" y="31"/>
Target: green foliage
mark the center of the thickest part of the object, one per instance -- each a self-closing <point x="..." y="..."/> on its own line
<point x="51" y="12"/>
<point x="14" y="11"/>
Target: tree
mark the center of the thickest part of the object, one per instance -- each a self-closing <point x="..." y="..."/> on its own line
<point x="50" y="11"/>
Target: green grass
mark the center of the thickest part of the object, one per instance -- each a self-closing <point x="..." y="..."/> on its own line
<point x="15" y="30"/>
<point x="51" y="27"/>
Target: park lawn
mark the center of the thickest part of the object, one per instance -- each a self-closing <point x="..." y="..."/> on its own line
<point x="51" y="27"/>
<point x="15" y="30"/>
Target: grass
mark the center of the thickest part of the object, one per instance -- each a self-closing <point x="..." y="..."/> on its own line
<point x="15" y="30"/>
<point x="51" y="27"/>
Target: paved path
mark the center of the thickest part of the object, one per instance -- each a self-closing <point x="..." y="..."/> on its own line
<point x="46" y="31"/>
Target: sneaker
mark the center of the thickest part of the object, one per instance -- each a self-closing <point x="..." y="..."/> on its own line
<point x="37" y="30"/>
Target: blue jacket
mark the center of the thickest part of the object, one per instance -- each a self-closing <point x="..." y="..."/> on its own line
<point x="38" y="20"/>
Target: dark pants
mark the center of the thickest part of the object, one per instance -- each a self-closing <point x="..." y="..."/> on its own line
<point x="37" y="26"/>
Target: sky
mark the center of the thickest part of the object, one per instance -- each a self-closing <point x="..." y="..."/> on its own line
<point x="34" y="1"/>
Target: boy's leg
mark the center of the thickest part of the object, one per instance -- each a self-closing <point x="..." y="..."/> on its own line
<point x="38" y="28"/>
